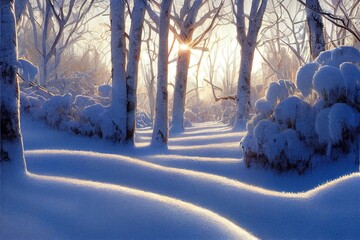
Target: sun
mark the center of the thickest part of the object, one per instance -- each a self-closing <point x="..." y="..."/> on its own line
<point x="184" y="47"/>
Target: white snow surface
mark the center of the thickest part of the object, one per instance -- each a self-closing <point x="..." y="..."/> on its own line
<point x="83" y="188"/>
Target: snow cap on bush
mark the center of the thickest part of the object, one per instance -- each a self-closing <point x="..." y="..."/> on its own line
<point x="304" y="78"/>
<point x="264" y="107"/>
<point x="351" y="74"/>
<point x="343" y="119"/>
<point x="277" y="91"/>
<point x="289" y="110"/>
<point x="329" y="84"/>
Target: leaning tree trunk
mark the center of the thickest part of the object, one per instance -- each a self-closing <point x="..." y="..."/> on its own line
<point x="182" y="68"/>
<point x="137" y="20"/>
<point x="160" y="132"/>
<point x="119" y="102"/>
<point x="11" y="146"/>
<point x="315" y="24"/>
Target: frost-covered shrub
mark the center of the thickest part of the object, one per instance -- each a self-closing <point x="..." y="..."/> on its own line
<point x="288" y="131"/>
<point x="83" y="115"/>
<point x="143" y="119"/>
<point x="105" y="90"/>
<point x="56" y="110"/>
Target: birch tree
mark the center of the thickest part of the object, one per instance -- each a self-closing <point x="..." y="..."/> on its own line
<point x="118" y="60"/>
<point x="187" y="22"/>
<point x="160" y="132"/>
<point x="247" y="38"/>
<point x="11" y="146"/>
<point x="137" y="20"/>
<point x="315" y="24"/>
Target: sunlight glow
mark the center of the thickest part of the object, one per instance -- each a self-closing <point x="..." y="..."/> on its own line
<point x="184" y="47"/>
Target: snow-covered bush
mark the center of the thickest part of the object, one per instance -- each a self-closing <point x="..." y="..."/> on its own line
<point x="84" y="115"/>
<point x="288" y="131"/>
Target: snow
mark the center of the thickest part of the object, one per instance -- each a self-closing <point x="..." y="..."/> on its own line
<point x="79" y="187"/>
<point x="329" y="83"/>
<point x="304" y="78"/>
<point x="342" y="118"/>
<point x="351" y="74"/>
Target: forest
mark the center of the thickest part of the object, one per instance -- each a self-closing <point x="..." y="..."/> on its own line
<point x="180" y="119"/>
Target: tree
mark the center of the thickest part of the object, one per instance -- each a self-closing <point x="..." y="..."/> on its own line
<point x="11" y="145"/>
<point x="315" y="24"/>
<point x="160" y="132"/>
<point x="137" y="21"/>
<point x="187" y="22"/>
<point x="118" y="60"/>
<point x="63" y="24"/>
<point x="247" y="38"/>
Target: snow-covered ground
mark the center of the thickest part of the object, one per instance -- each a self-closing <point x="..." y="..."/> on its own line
<point x="82" y="188"/>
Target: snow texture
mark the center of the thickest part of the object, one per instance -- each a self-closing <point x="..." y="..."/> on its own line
<point x="304" y="78"/>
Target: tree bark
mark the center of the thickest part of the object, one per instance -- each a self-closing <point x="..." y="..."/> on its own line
<point x="11" y="146"/>
<point x="243" y="99"/>
<point x="315" y="24"/>
<point x="137" y="20"/>
<point x="160" y="132"/>
<point x="183" y="61"/>
<point x="247" y="39"/>
<point x="182" y="68"/>
<point x="118" y="54"/>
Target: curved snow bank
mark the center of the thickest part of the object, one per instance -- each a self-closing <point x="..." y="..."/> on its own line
<point x="122" y="169"/>
<point x="64" y="208"/>
<point x="328" y="211"/>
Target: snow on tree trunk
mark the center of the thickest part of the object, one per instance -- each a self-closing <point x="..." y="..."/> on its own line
<point x="11" y="145"/>
<point x="137" y="20"/>
<point x="160" y="132"/>
<point x="315" y="24"/>
<point x="243" y="89"/>
<point x="180" y="91"/>
<point x="118" y="54"/>
<point x="247" y="38"/>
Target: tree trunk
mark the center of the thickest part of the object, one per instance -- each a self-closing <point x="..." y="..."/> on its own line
<point x="315" y="24"/>
<point x="44" y="73"/>
<point x="243" y="90"/>
<point x="160" y="133"/>
<point x="137" y="20"/>
<point x="182" y="68"/>
<point x="11" y="145"/>
<point x="20" y="6"/>
<point x="118" y="54"/>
